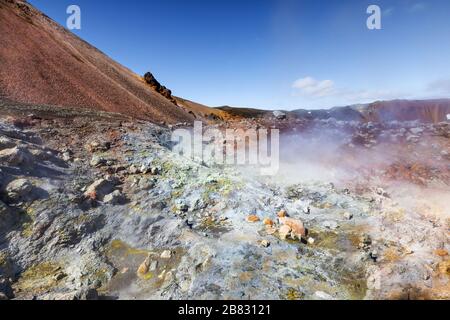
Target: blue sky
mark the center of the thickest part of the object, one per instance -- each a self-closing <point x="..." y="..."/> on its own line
<point x="283" y="54"/>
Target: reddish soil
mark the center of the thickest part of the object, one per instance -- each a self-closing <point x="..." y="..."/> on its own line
<point x="42" y="63"/>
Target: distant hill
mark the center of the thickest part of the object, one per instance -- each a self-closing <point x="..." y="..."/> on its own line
<point x="432" y="111"/>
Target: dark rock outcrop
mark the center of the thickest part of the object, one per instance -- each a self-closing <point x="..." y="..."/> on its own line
<point x="151" y="80"/>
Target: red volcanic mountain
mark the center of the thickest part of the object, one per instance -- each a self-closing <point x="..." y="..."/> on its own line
<point x="408" y="110"/>
<point x="43" y="63"/>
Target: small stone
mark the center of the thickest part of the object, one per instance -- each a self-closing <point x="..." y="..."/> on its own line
<point x="181" y="206"/>
<point x="296" y="225"/>
<point x="145" y="168"/>
<point x="441" y="252"/>
<point x="348" y="215"/>
<point x="271" y="230"/>
<point x="97" y="161"/>
<point x="143" y="268"/>
<point x="166" y="254"/>
<point x="332" y="225"/>
<point x="133" y="169"/>
<point x="282" y="214"/>
<point x="66" y="156"/>
<point x="146" y="184"/>
<point x="374" y="254"/>
<point x="265" y="243"/>
<point x="284" y="231"/>
<point x="252" y="218"/>
<point x="58" y="276"/>
<point x="311" y="241"/>
<point x="268" y="222"/>
<point x="114" y="198"/>
<point x="323" y="296"/>
<point x="155" y="170"/>
<point x="382" y="192"/>
<point x="153" y="265"/>
<point x="168" y="278"/>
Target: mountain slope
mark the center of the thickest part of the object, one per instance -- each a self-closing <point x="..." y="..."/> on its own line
<point x="432" y="111"/>
<point x="407" y="110"/>
<point x="42" y="63"/>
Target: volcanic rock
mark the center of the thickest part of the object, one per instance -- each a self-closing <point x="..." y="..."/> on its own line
<point x="296" y="225"/>
<point x="20" y="190"/>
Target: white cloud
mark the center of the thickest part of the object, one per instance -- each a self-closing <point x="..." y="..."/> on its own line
<point x="418" y="6"/>
<point x="388" y="12"/>
<point x="440" y="86"/>
<point x="314" y="88"/>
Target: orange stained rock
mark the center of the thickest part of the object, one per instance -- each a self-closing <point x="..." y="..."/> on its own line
<point x="441" y="252"/>
<point x="282" y="213"/>
<point x="252" y="218"/>
<point x="295" y="224"/>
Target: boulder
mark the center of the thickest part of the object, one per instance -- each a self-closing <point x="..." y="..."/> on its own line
<point x="20" y="190"/>
<point x="298" y="229"/>
<point x="330" y="224"/>
<point x="252" y="218"/>
<point x="98" y="161"/>
<point x="99" y="189"/>
<point x="114" y="198"/>
<point x="146" y="184"/>
<point x="282" y="213"/>
<point x="144" y="267"/>
<point x="166" y="254"/>
<point x="348" y="215"/>
<point x="133" y="169"/>
<point x="15" y="157"/>
<point x="6" y="143"/>
<point x="265" y="243"/>
<point x="270" y="230"/>
<point x="284" y="231"/>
